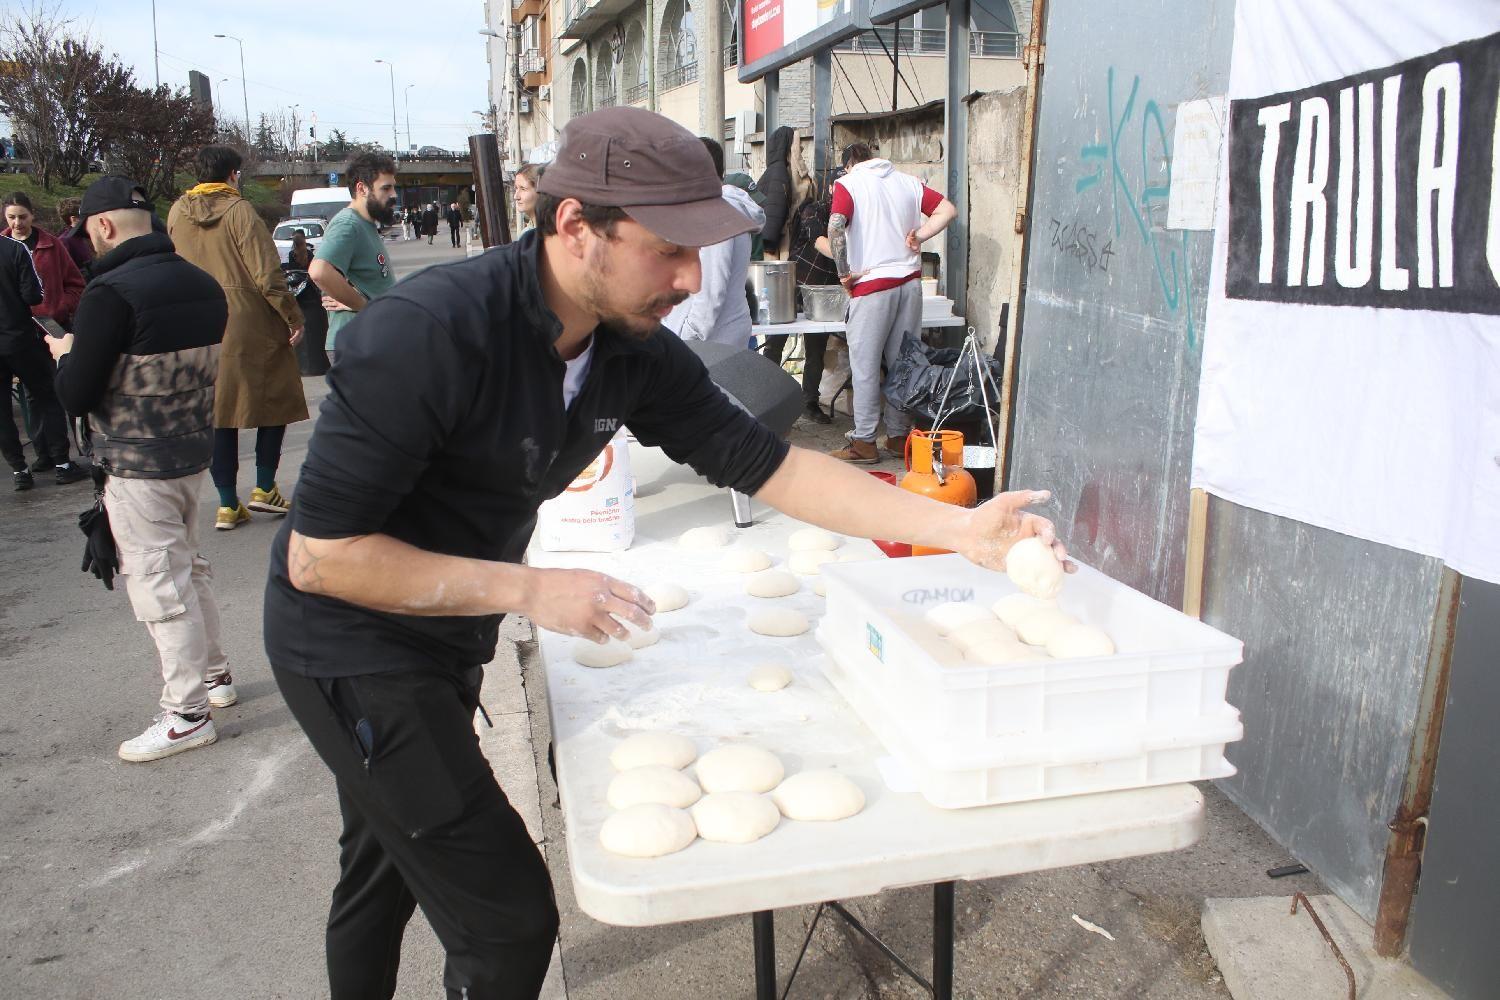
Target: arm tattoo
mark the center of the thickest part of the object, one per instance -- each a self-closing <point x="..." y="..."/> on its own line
<point x="305" y="567"/>
<point x="838" y="241"/>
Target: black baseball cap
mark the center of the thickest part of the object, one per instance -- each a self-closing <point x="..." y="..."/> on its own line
<point x="658" y="172"/>
<point x="109" y="193"/>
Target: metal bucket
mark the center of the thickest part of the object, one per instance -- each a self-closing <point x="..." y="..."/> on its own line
<point x="824" y="303"/>
<point x="774" y="283"/>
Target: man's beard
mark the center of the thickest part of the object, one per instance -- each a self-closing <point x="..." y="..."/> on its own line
<point x="640" y="324"/>
<point x="383" y="214"/>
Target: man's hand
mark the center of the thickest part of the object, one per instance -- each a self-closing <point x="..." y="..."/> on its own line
<point x="1000" y="523"/>
<point x="586" y="604"/>
<point x="851" y="279"/>
<point x="59" y="345"/>
<point x="913" y="243"/>
<point x="296" y="337"/>
<point x="334" y="305"/>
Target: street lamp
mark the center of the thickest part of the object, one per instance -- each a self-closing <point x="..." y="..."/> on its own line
<point x="407" y="94"/>
<point x="395" y="139"/>
<point x="243" y="93"/>
<point x="295" y="136"/>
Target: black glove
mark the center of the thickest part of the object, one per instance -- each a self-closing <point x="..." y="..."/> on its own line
<point x="99" y="554"/>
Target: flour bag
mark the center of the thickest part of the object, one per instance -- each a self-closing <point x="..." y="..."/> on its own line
<point x="596" y="513"/>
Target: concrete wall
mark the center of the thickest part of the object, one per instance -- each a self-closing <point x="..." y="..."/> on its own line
<point x="995" y="170"/>
<point x="862" y="82"/>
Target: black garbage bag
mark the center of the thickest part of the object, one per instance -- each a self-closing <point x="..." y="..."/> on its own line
<point x="99" y="554"/>
<point x="921" y="376"/>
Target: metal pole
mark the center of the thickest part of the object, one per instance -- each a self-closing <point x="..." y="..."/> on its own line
<point x="245" y="94"/>
<point x="822" y="111"/>
<point x="956" y="151"/>
<point x="515" y="92"/>
<point x="942" y="941"/>
<point x="651" y="55"/>
<point x="155" y="53"/>
<point x="489" y="190"/>
<point x="407" y="94"/>
<point x="773" y="100"/>
<point x="395" y="138"/>
<point x="765" y="954"/>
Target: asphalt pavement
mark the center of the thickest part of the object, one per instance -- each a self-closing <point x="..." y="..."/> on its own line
<point x="207" y="874"/>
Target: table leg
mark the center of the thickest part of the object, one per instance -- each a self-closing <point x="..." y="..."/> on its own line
<point x="765" y="955"/>
<point x="942" y="941"/>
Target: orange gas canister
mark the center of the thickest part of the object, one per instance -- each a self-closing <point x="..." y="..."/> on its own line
<point x="936" y="463"/>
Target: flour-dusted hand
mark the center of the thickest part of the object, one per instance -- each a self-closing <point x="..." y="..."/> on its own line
<point x="586" y="604"/>
<point x="996" y="525"/>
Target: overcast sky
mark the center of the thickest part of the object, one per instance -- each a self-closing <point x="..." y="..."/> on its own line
<point x="320" y="55"/>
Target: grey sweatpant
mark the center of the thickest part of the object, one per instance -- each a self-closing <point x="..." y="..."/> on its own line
<point x="876" y="324"/>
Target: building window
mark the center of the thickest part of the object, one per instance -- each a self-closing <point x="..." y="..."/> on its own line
<point x="637" y="83"/>
<point x="606" y="76"/>
<point x="578" y="90"/>
<point x="677" y="53"/>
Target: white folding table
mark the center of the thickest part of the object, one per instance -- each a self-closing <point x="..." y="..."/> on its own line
<point x="693" y="682"/>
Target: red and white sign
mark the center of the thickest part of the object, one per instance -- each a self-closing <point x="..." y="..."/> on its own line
<point x="772" y="25"/>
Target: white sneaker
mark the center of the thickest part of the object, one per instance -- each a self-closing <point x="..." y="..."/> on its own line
<point x="221" y="693"/>
<point x="169" y="734"/>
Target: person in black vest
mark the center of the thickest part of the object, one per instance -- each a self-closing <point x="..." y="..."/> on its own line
<point x="141" y="364"/>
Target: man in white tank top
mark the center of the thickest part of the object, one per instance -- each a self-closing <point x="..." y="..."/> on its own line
<point x="876" y="232"/>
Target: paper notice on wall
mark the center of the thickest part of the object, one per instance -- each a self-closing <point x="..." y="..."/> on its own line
<point x="1195" y="163"/>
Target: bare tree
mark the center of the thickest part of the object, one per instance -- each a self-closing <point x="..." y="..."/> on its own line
<point x="156" y="133"/>
<point x="62" y="94"/>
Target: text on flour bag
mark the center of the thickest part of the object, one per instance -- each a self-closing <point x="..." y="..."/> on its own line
<point x="596" y="513"/>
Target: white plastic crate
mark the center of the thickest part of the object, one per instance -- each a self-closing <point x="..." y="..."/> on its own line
<point x="1152" y="713"/>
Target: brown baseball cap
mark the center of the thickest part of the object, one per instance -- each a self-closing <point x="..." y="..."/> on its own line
<point x="658" y="172"/>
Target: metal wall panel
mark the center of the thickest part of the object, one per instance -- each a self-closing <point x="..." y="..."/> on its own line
<point x="1336" y="633"/>
<point x="1111" y="337"/>
<point x="1458" y="900"/>
<point x="1336" y="629"/>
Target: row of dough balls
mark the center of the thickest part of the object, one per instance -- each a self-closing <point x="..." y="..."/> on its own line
<point x="1016" y="629"/>
<point x="740" y="795"/>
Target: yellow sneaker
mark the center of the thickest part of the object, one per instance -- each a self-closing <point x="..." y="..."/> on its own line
<point x="269" y="501"/>
<point x="231" y="517"/>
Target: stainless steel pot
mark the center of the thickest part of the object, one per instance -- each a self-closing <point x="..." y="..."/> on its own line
<point x="774" y="283"/>
<point x="824" y="303"/>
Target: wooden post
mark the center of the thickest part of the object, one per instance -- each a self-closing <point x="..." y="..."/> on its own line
<point x="1197" y="543"/>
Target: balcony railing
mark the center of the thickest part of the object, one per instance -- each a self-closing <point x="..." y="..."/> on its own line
<point x="932" y="41"/>
<point x="679" y="76"/>
<point x="605" y="100"/>
<point x="637" y="93"/>
<point x="532" y="61"/>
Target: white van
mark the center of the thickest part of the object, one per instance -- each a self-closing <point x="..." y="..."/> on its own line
<point x="319" y="203"/>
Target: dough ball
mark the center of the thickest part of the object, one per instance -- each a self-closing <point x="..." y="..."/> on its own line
<point x="1080" y="640"/>
<point x="818" y="797"/>
<point x="954" y="615"/>
<point x="1013" y="608"/>
<point x="1032" y="567"/>
<point x="981" y="635"/>
<point x="652" y="783"/>
<point x="1003" y="651"/>
<point x="667" y="596"/>
<point x="772" y="583"/>
<point x="778" y="622"/>
<point x="735" y="817"/>
<point x="770" y="677"/>
<point x="739" y="768"/>
<point x="640" y="638"/>
<point x="1037" y="628"/>
<point x="810" y="562"/>
<point x="820" y="586"/>
<point x="648" y="830"/>
<point x="592" y="654"/>
<point x="812" y="540"/>
<point x="642" y="749"/>
<point x="712" y="536"/>
<point x="745" y="560"/>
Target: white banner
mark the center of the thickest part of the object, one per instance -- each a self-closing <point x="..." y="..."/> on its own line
<point x="1351" y="362"/>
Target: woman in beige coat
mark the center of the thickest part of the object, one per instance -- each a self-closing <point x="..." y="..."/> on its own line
<point x="259" y="385"/>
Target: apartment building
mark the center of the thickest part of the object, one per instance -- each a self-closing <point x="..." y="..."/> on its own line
<point x="574" y="56"/>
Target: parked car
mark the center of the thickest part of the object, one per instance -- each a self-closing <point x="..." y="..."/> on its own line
<point x="282" y="235"/>
<point x="434" y="151"/>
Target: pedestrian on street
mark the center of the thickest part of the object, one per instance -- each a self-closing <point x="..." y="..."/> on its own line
<point x="812" y="268"/>
<point x="351" y="266"/>
<point x="62" y="285"/>
<point x="72" y="236"/>
<point x="429" y="222"/>
<point x="718" y="311"/>
<point x="259" y="385"/>
<point x="312" y="352"/>
<point x="141" y="363"/>
<point x="876" y="232"/>
<point x="455" y="218"/>
<point x="784" y="185"/>
<point x="23" y="357"/>
<point x="524" y="188"/>
<point x="467" y="396"/>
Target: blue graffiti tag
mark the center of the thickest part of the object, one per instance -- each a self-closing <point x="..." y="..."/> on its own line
<point x="1171" y="273"/>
